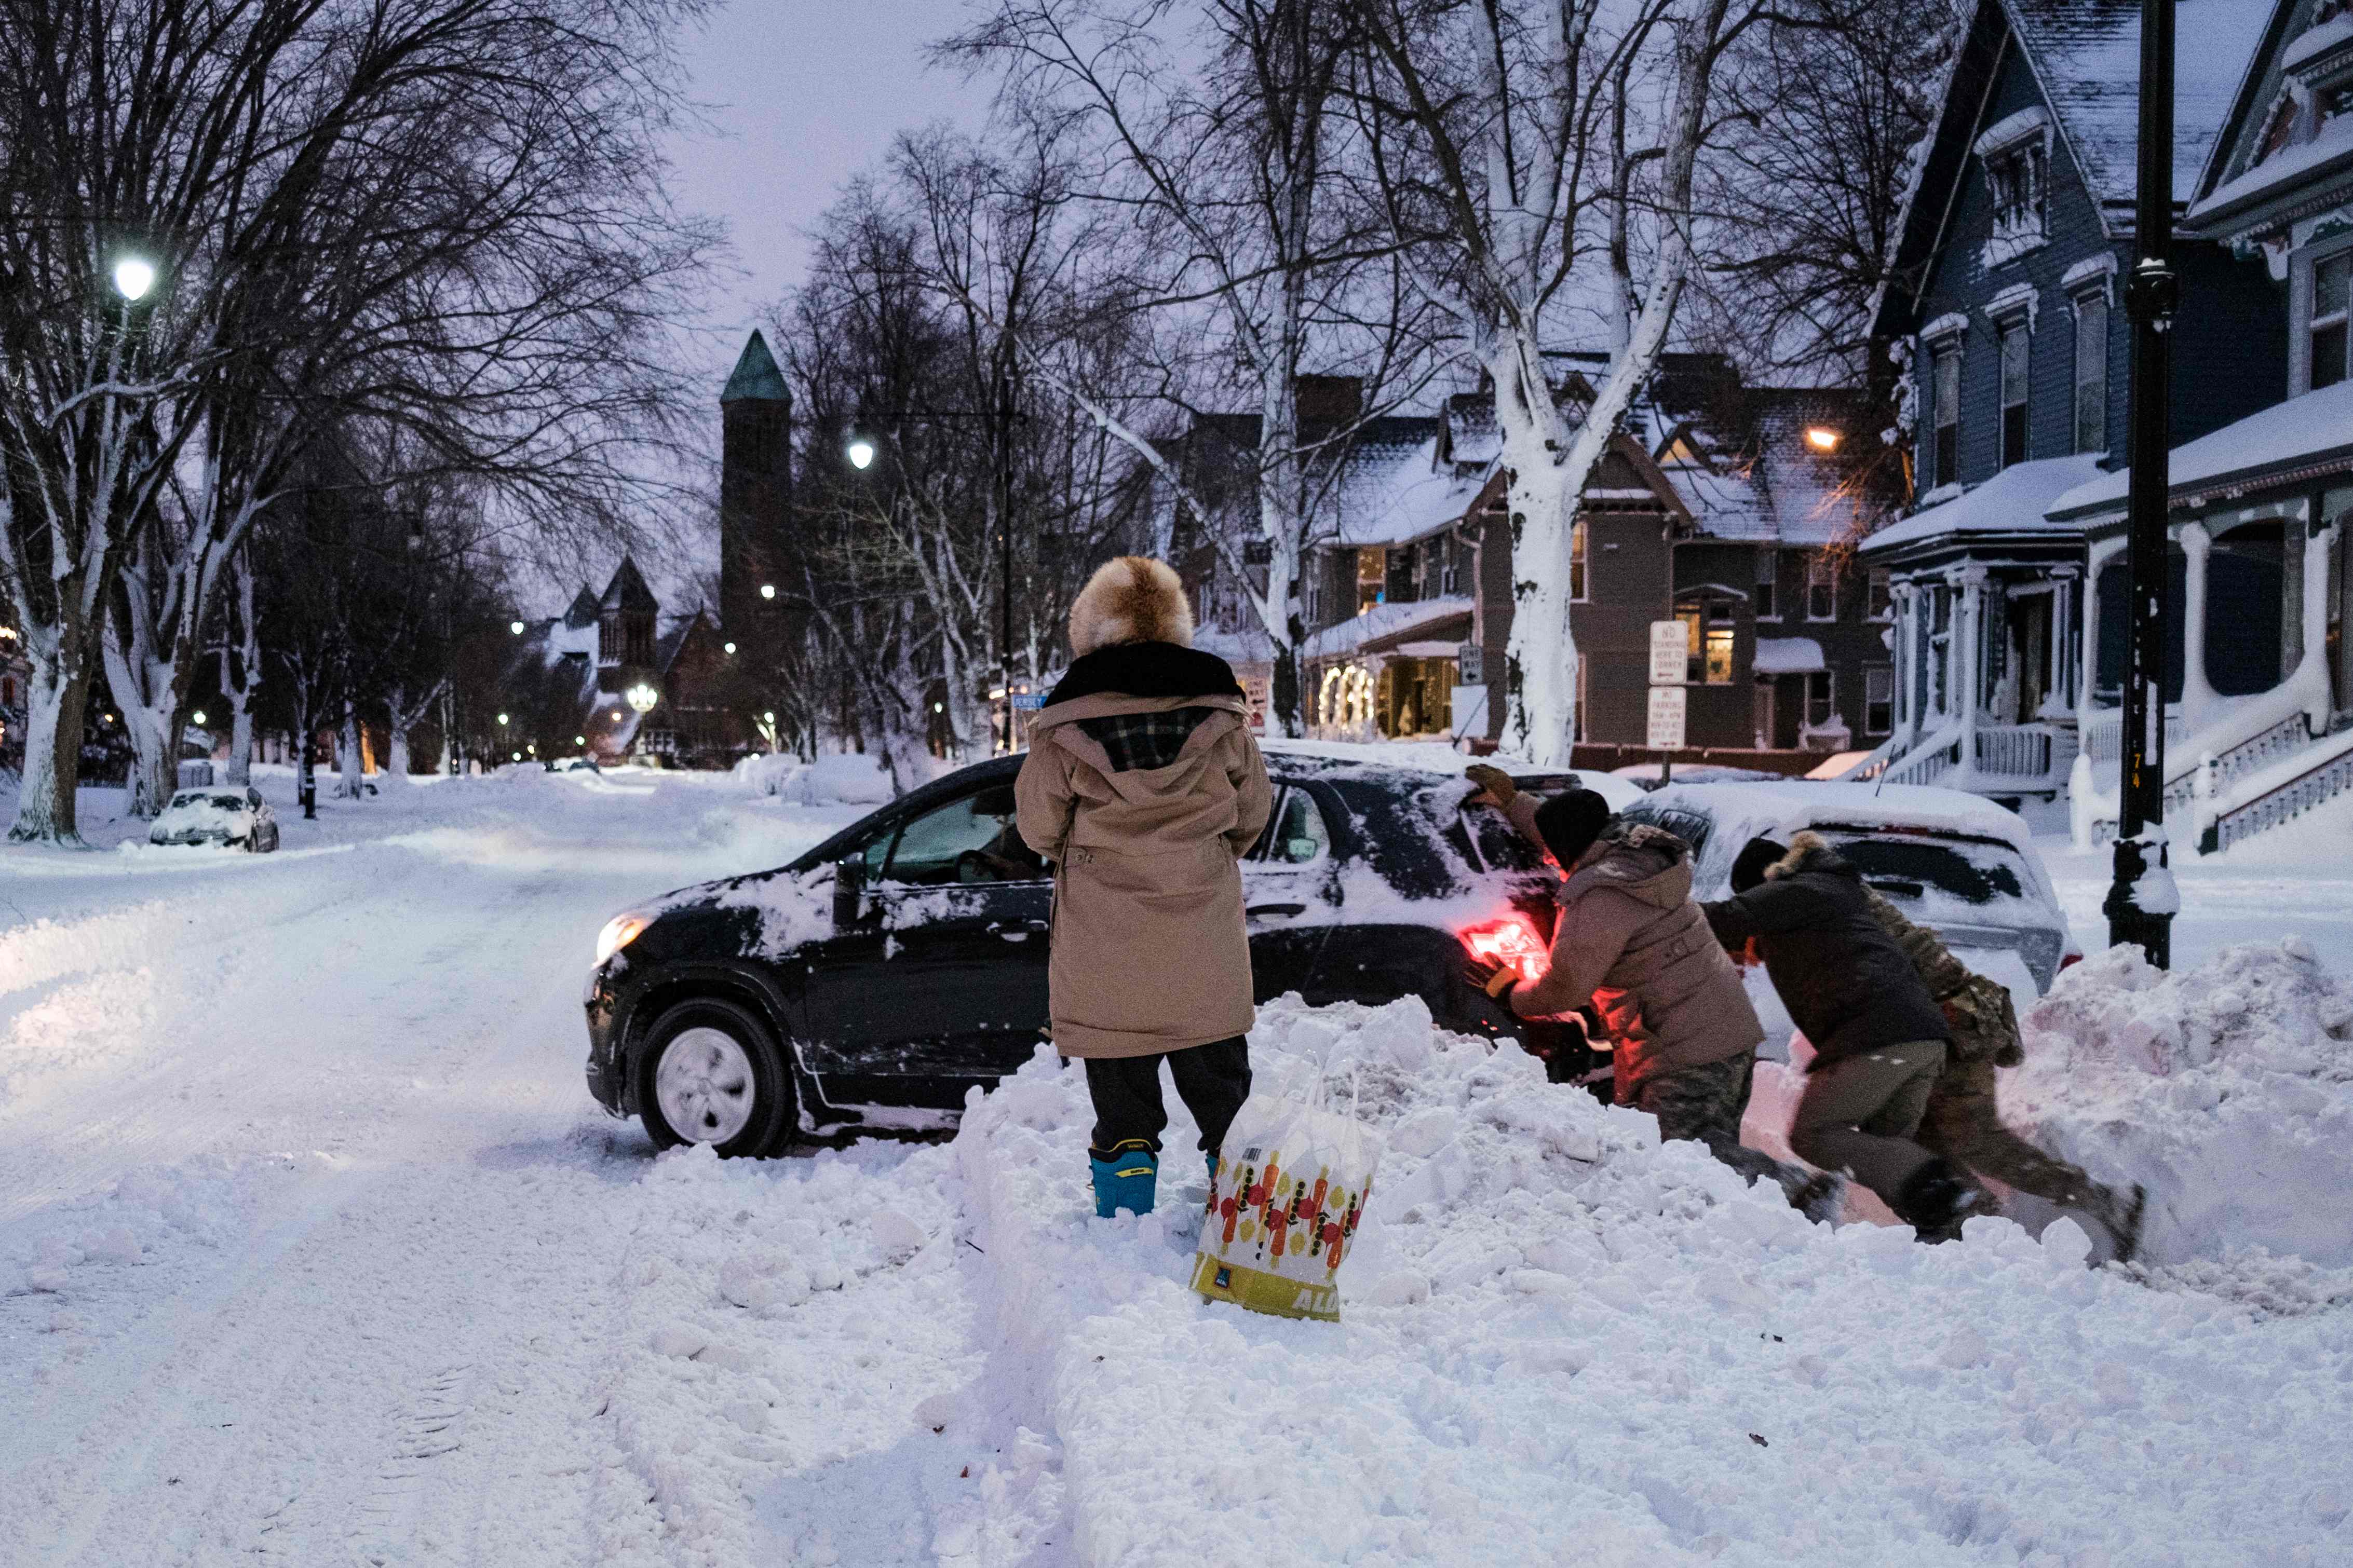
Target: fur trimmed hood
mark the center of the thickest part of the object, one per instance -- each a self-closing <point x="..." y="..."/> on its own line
<point x="1131" y="598"/>
<point x="1808" y="851"/>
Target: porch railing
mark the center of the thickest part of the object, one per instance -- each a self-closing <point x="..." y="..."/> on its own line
<point x="2015" y="750"/>
<point x="2324" y="781"/>
<point x="2103" y="734"/>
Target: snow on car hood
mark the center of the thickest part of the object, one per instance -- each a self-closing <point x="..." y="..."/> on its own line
<point x="203" y="814"/>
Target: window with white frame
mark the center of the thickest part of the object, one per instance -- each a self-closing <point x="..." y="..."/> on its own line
<point x="1577" y="574"/>
<point x="1879" y="602"/>
<point x="2092" y="371"/>
<point x="1769" y="578"/>
<point x="2325" y="337"/>
<point x="1879" y="699"/>
<point x="2015" y="178"/>
<point x="2015" y="342"/>
<point x="1821" y="699"/>
<point x="1708" y="630"/>
<point x="1822" y="587"/>
<point x="1945" y="412"/>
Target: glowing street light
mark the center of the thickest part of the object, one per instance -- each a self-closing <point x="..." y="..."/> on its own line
<point x="515" y="627"/>
<point x="767" y="717"/>
<point x="729" y="647"/>
<point x="1822" y="438"/>
<point x="861" y="452"/>
<point x="197" y="717"/>
<point x="133" y="276"/>
<point x="579" y="739"/>
<point x="502" y="718"/>
<point x="642" y="697"/>
<point x="767" y="590"/>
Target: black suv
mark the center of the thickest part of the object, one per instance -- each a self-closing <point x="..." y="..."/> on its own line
<point x="877" y="979"/>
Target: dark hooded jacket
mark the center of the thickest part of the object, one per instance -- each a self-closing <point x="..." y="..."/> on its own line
<point x="1631" y="941"/>
<point x="1841" y="975"/>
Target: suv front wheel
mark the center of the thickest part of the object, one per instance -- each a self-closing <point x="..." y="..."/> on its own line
<point x="710" y="1073"/>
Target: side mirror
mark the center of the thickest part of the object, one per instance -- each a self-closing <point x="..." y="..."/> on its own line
<point x="848" y="892"/>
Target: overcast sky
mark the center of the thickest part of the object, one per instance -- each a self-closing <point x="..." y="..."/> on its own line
<point x="803" y="94"/>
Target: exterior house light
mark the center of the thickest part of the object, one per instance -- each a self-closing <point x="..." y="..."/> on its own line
<point x="133" y="276"/>
<point x="1822" y="438"/>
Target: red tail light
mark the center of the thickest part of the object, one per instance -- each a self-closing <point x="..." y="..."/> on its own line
<point x="2070" y="959"/>
<point x="1512" y="942"/>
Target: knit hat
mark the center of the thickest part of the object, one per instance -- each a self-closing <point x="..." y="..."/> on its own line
<point x="1570" y="822"/>
<point x="1755" y="856"/>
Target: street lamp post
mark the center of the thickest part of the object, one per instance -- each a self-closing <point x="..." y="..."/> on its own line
<point x="2141" y="901"/>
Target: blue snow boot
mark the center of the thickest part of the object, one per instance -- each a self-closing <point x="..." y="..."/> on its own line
<point x="1125" y="1178"/>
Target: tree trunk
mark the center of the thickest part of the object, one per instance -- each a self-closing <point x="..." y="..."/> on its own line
<point x="240" y="741"/>
<point x="55" y="701"/>
<point x="347" y="753"/>
<point x="396" y="761"/>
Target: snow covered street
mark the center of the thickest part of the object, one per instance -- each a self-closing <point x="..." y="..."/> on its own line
<point x="314" y="1249"/>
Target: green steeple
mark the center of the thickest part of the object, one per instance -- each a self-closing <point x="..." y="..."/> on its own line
<point x="757" y="378"/>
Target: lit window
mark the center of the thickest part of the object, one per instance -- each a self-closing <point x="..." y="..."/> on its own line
<point x="2013" y="392"/>
<point x="1372" y="578"/>
<point x="1577" y="548"/>
<point x="2332" y="281"/>
<point x="1822" y="587"/>
<point x="1707" y="626"/>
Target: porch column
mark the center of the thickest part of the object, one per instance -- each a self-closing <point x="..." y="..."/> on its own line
<point x="1906" y="657"/>
<point x="1968" y="656"/>
<point x="2198" y="697"/>
<point x="2087" y="676"/>
<point x="2063" y="632"/>
<point x="2313" y="669"/>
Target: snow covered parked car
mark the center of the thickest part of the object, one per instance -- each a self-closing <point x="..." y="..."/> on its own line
<point x="876" y="979"/>
<point x="1953" y="861"/>
<point x="238" y="818"/>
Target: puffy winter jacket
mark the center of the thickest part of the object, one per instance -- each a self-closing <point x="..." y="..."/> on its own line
<point x="1983" y="1018"/>
<point x="1844" y="978"/>
<point x="1629" y="940"/>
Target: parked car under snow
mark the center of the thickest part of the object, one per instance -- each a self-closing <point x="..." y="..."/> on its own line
<point x="1952" y="861"/>
<point x="234" y="817"/>
<point x="876" y="979"/>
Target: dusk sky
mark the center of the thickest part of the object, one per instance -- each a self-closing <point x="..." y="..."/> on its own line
<point x="802" y="94"/>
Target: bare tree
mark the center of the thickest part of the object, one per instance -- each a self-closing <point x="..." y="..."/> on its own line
<point x="441" y="218"/>
<point x="1536" y="163"/>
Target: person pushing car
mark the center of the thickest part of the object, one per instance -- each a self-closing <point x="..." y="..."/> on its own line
<point x="1628" y="939"/>
<point x="1143" y="787"/>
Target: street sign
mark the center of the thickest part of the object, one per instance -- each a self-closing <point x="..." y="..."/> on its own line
<point x="1670" y="656"/>
<point x="1667" y="710"/>
<point x="1028" y="701"/>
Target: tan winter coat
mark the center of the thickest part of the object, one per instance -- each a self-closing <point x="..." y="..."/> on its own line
<point x="1150" y="951"/>
<point x="1630" y="940"/>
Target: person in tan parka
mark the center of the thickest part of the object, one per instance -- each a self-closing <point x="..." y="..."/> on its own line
<point x="1143" y="787"/>
<point x="1629" y="940"/>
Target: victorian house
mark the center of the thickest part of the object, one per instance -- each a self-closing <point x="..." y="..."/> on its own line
<point x="2005" y="307"/>
<point x="2259" y="681"/>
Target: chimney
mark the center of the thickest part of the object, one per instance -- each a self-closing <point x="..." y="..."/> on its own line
<point x="1329" y="403"/>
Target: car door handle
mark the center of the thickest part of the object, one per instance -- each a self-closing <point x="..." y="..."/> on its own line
<point x="1276" y="910"/>
<point x="1019" y="931"/>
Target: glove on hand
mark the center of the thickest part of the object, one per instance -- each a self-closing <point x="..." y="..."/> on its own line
<point x="1492" y="978"/>
<point x="1501" y="790"/>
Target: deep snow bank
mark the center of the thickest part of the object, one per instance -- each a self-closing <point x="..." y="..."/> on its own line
<point x="2227" y="1090"/>
<point x="1562" y="1339"/>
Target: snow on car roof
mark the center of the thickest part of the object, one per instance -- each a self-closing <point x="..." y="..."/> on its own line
<point x="1804" y="802"/>
<point x="1437" y="757"/>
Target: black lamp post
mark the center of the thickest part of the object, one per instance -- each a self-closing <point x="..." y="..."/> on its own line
<point x="2141" y="901"/>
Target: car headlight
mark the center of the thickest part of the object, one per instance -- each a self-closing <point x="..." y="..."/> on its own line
<point x="618" y="932"/>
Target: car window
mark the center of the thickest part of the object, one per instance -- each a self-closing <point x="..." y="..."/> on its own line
<point x="1296" y="835"/>
<point x="187" y="797"/>
<point x="229" y="802"/>
<point x="1918" y="870"/>
<point x="969" y="839"/>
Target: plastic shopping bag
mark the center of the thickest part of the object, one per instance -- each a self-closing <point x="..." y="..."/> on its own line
<point x="1292" y="1184"/>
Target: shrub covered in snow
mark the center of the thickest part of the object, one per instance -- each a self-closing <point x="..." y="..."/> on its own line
<point x="2226" y="1089"/>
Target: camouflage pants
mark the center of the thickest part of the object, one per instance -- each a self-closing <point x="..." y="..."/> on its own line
<point x="1962" y="1126"/>
<point x="1704" y="1104"/>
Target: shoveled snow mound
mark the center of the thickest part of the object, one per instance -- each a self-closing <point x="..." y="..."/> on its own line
<point x="2226" y="1089"/>
<point x="846" y="778"/>
<point x="1559" y="1336"/>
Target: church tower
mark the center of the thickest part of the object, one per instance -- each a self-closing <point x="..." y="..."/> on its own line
<point x="755" y="498"/>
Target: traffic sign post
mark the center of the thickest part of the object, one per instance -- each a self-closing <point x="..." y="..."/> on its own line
<point x="1670" y="703"/>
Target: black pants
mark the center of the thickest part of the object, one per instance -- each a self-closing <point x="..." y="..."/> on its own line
<point x="1212" y="1080"/>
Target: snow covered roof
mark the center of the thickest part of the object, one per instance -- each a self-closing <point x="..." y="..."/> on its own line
<point x="2086" y="55"/>
<point x="1787" y="656"/>
<point x="2326" y="156"/>
<point x="1383" y="622"/>
<point x="2013" y="502"/>
<point x="1727" y="506"/>
<point x="2289" y="439"/>
<point x="1396" y="494"/>
<point x="1248" y="644"/>
<point x="1804" y="802"/>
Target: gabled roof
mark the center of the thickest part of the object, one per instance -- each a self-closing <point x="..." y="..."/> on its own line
<point x="756" y="378"/>
<point x="2085" y="57"/>
<point x="585" y="611"/>
<point x="627" y="592"/>
<point x="2239" y="196"/>
<point x="2014" y="501"/>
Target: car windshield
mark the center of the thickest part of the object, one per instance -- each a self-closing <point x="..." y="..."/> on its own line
<point x="229" y="802"/>
<point x="1961" y="879"/>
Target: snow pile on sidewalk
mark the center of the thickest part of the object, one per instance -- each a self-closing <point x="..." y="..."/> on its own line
<point x="1559" y="1335"/>
<point x="847" y="778"/>
<point x="2227" y="1090"/>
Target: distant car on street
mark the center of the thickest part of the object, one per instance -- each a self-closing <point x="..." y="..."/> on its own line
<point x="238" y="818"/>
<point x="574" y="765"/>
<point x="1952" y="861"/>
<point x="876" y="979"/>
